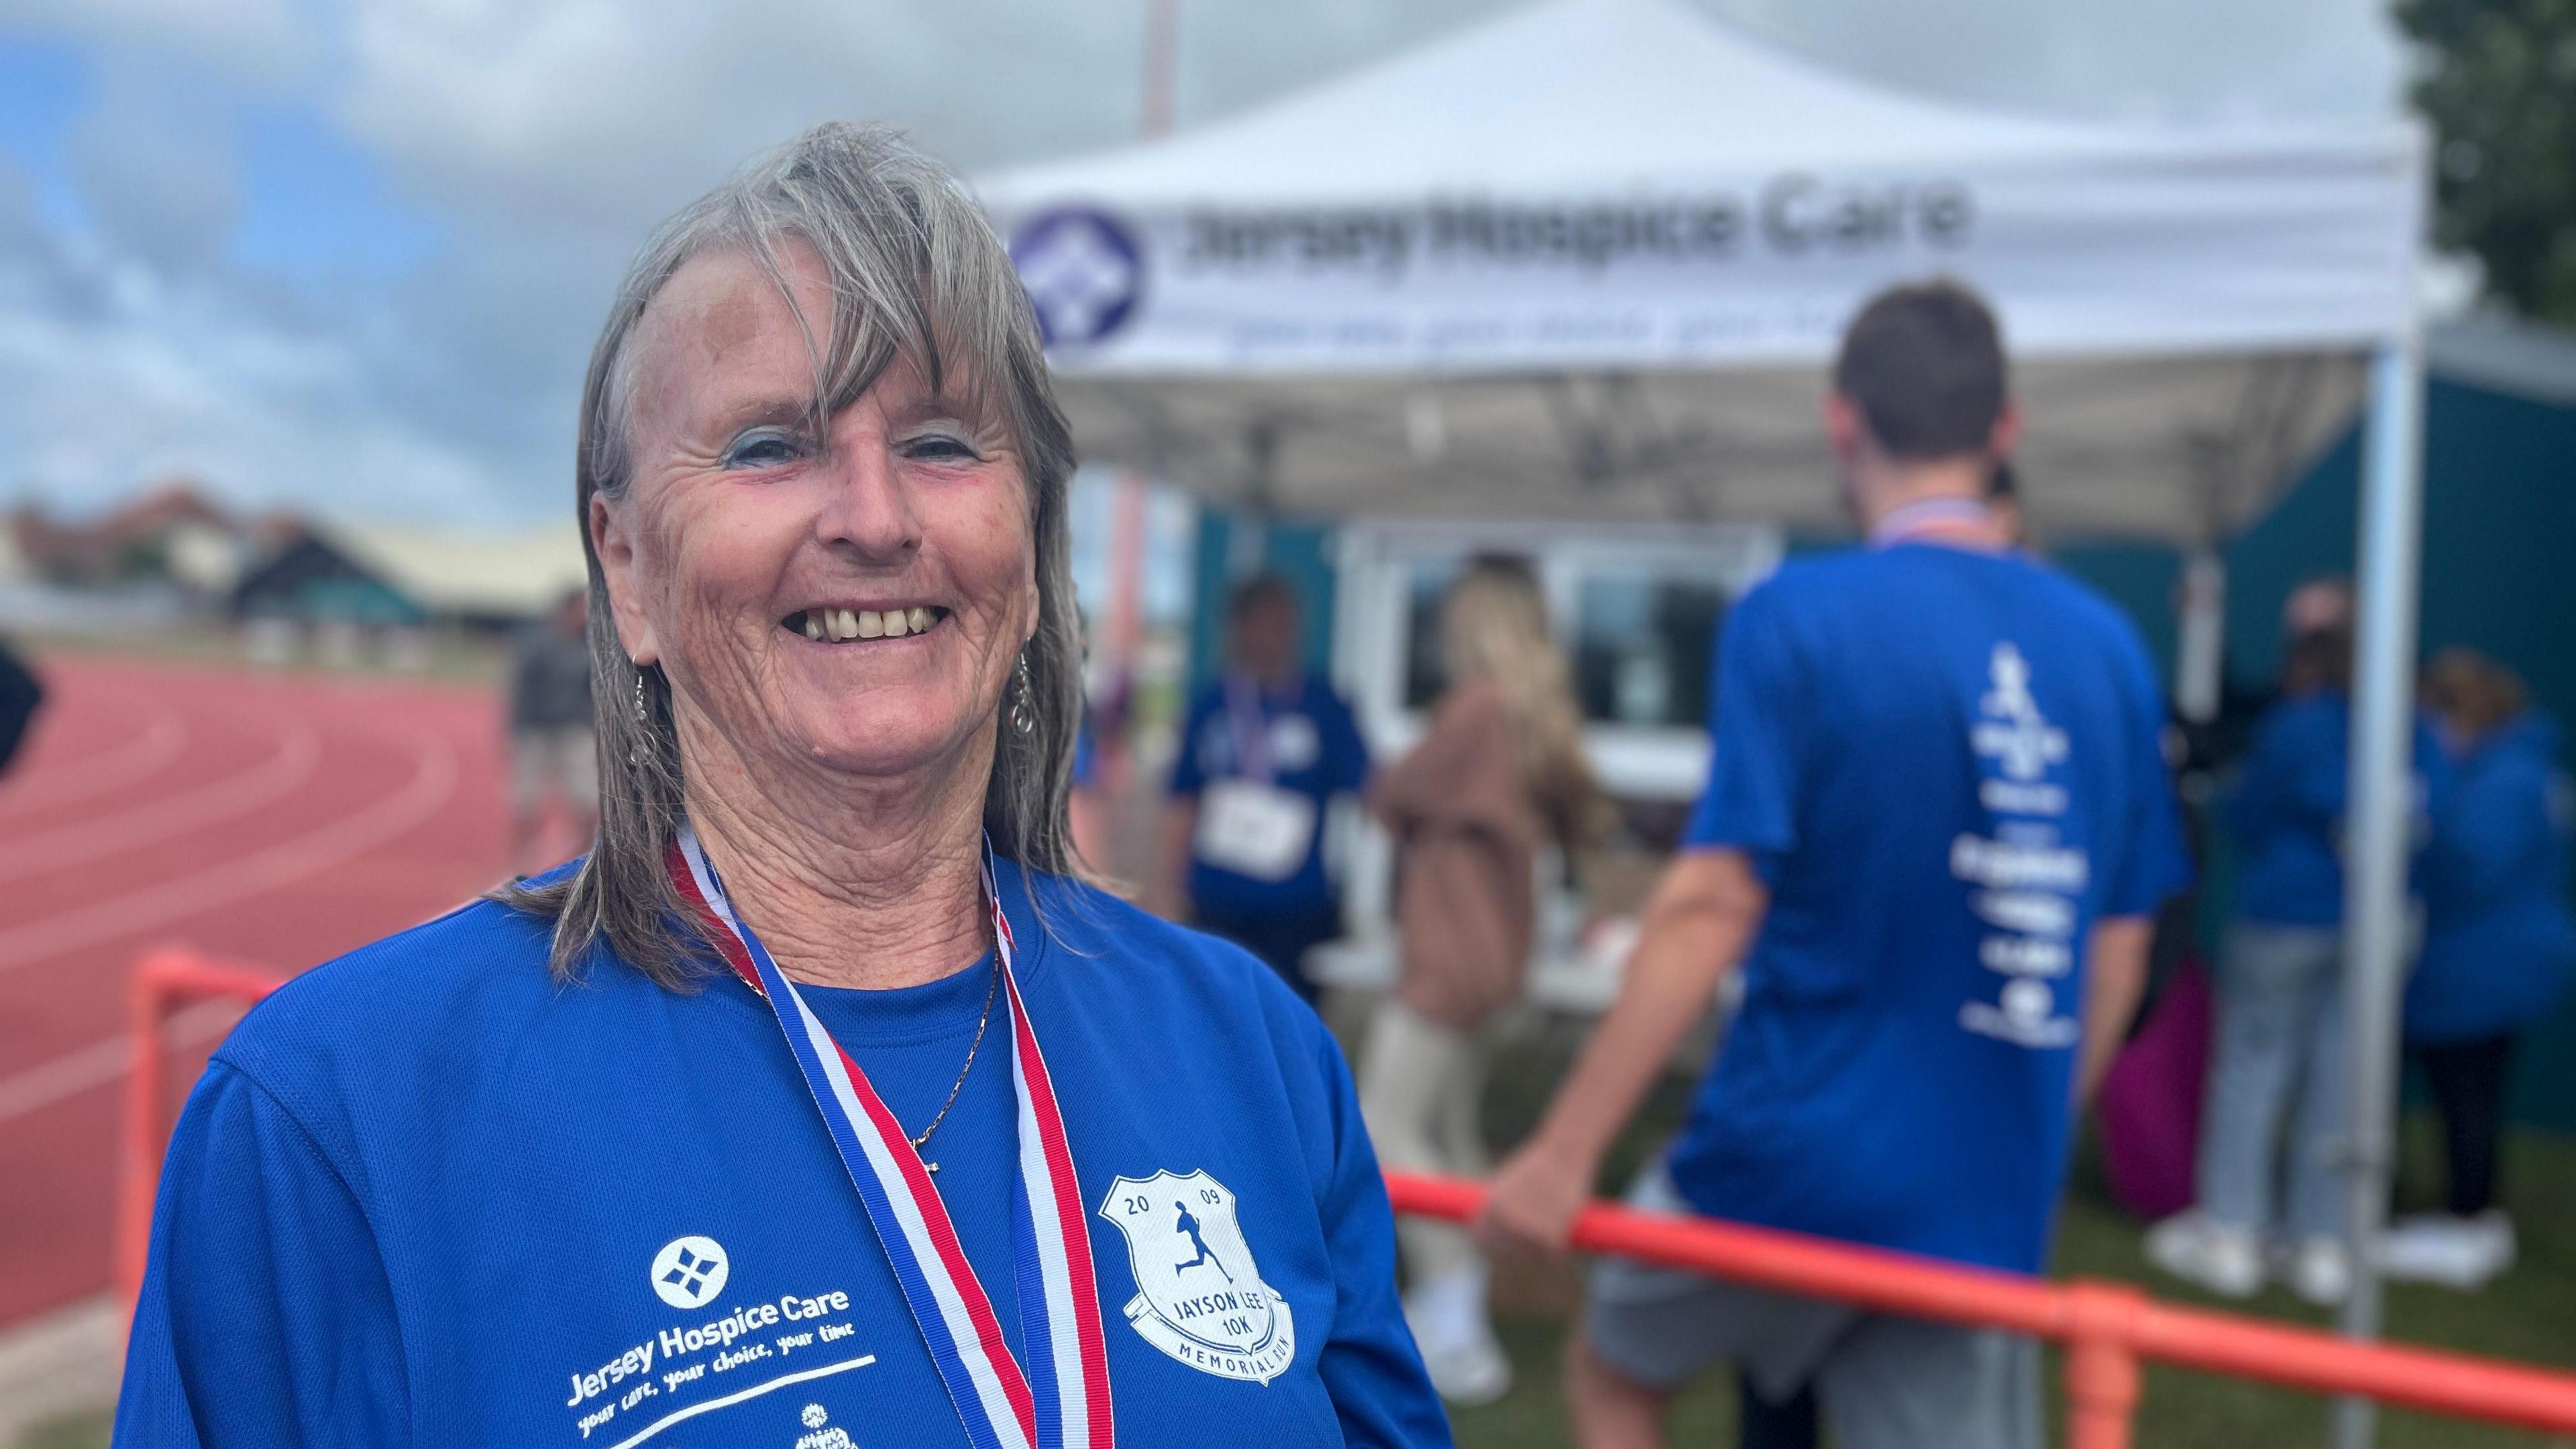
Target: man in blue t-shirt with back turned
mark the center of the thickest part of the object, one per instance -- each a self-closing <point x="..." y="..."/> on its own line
<point x="1935" y="832"/>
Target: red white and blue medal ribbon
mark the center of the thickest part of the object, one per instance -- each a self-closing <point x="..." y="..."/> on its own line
<point x="1065" y="1403"/>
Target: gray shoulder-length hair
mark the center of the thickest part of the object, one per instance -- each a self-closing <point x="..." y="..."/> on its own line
<point x="916" y="272"/>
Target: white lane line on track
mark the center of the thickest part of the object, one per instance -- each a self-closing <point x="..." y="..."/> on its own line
<point x="433" y="780"/>
<point x="298" y="753"/>
<point x="134" y="760"/>
<point x="100" y="1063"/>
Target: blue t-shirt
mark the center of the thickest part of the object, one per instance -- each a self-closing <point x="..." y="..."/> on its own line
<point x="1945" y="765"/>
<point x="425" y="1196"/>
<point x="2286" y="809"/>
<point x="1313" y="748"/>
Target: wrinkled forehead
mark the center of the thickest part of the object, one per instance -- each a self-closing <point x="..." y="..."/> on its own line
<point x="722" y="326"/>
<point x="734" y="328"/>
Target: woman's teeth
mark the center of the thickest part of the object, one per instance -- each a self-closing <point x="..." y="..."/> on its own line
<point x="839" y="624"/>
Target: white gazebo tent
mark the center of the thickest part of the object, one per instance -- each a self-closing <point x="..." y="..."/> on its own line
<point x="1588" y="261"/>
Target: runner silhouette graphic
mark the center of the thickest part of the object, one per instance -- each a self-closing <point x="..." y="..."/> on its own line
<point x="1190" y="1225"/>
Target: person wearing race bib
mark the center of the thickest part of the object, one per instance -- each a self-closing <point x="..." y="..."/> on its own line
<point x="1936" y="830"/>
<point x="1264" y="752"/>
<point x="821" y="1103"/>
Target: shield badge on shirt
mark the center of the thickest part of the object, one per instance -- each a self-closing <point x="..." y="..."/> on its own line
<point x="1199" y="1296"/>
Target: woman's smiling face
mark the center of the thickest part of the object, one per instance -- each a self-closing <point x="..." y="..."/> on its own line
<point x="850" y="592"/>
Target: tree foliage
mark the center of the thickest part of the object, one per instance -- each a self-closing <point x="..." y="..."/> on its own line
<point x="2498" y="82"/>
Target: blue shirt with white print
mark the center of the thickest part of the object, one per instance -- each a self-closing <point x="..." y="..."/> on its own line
<point x="1945" y="765"/>
<point x="424" y="1195"/>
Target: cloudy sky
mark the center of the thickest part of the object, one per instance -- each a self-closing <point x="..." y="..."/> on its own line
<point x="352" y="255"/>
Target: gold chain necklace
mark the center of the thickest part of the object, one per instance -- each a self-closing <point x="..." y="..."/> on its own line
<point x="981" y="1022"/>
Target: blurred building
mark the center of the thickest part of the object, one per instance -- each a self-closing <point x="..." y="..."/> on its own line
<point x="173" y="553"/>
<point x="172" y="534"/>
<point x="311" y="578"/>
<point x="390" y="575"/>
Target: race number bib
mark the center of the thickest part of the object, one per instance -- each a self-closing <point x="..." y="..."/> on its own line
<point x="1254" y="829"/>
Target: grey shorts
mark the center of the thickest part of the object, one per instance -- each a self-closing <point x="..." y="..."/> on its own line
<point x="1882" y="1382"/>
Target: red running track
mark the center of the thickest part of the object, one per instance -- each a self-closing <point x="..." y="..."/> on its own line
<point x="282" y="819"/>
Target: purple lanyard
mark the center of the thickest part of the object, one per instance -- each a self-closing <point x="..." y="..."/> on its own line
<point x="1249" y="730"/>
<point x="1932" y="515"/>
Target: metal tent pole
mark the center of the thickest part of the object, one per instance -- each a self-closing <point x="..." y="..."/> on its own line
<point x="2379" y="823"/>
<point x="2201" y="636"/>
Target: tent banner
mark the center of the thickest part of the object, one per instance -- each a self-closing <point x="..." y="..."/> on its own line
<point x="2149" y="251"/>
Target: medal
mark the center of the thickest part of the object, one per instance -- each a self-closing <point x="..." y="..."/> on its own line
<point x="1062" y="1401"/>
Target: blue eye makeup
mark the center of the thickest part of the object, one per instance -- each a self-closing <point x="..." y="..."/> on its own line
<point x="764" y="448"/>
<point x="941" y="447"/>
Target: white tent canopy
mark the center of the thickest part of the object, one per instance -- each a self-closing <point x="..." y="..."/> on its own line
<point x="1588" y="259"/>
<point x="1586" y="262"/>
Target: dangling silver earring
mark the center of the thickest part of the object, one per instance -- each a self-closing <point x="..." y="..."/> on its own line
<point x="643" y="721"/>
<point x="1024" y="718"/>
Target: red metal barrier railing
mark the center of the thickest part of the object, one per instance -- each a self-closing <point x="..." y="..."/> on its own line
<point x="2108" y="1328"/>
<point x="162" y="980"/>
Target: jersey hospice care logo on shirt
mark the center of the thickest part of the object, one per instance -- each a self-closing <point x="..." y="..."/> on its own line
<point x="1199" y="1296"/>
<point x="2027" y="878"/>
<point x="817" y="1436"/>
<point x="690" y="1271"/>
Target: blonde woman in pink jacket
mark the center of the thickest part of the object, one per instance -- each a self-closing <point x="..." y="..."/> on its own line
<point x="1499" y="773"/>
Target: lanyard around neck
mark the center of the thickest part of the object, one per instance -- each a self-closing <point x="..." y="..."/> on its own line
<point x="1941" y="519"/>
<point x="1248" y="726"/>
<point x="1065" y="1403"/>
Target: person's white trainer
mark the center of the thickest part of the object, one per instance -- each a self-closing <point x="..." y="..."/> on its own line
<point x="2494" y="1240"/>
<point x="1451" y="1327"/>
<point x="2465" y="1253"/>
<point x="1469" y="1372"/>
<point x="2321" y="1271"/>
<point x="2225" y="1261"/>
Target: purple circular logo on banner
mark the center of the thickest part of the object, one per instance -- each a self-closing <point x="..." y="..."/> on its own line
<point x="1083" y="270"/>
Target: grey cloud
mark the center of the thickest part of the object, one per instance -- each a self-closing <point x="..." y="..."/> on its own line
<point x="548" y="134"/>
<point x="156" y="163"/>
<point x="265" y="43"/>
<point x="22" y="230"/>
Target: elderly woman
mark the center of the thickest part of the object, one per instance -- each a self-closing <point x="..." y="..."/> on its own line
<point x="820" y="1104"/>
